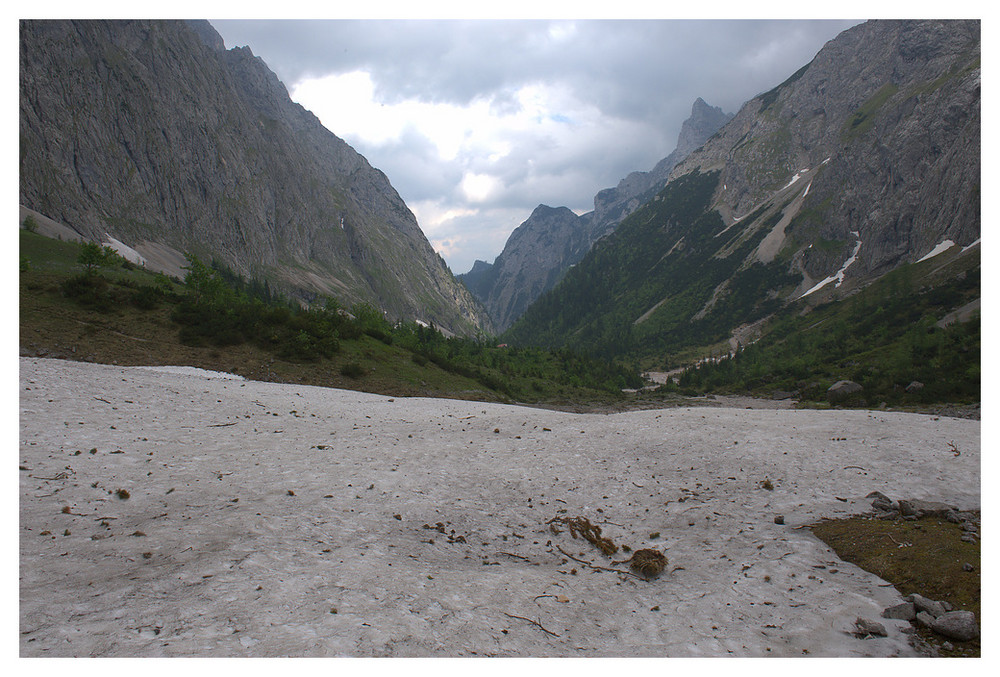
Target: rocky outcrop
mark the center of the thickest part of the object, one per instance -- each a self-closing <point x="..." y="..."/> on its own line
<point x="884" y="127"/>
<point x="540" y="251"/>
<point x="152" y="133"/>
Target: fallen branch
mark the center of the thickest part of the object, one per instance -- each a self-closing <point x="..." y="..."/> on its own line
<point x="535" y="623"/>
<point x="222" y="425"/>
<point x="510" y="554"/>
<point x="598" y="567"/>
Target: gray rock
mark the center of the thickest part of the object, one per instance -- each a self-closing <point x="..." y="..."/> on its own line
<point x="959" y="625"/>
<point x="968" y="567"/>
<point x="779" y="519"/>
<point x="918" y="508"/>
<point x="930" y="606"/>
<point x="914" y="387"/>
<point x="968" y="538"/>
<point x="904" y="612"/>
<point x="866" y="628"/>
<point x="924" y="619"/>
<point x="881" y="501"/>
<point x="953" y="517"/>
<point x="842" y="389"/>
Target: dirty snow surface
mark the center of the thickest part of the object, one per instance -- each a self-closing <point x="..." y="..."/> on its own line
<point x="285" y="520"/>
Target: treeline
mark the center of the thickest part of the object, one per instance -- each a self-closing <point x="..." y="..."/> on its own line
<point x="217" y="308"/>
<point x="221" y="308"/>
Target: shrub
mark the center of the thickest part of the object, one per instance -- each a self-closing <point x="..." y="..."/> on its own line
<point x="30" y="224"/>
<point x="352" y="370"/>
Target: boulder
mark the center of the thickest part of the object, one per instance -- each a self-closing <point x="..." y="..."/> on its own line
<point x="866" y="628"/>
<point x="904" y="612"/>
<point x="959" y="625"/>
<point x="917" y="508"/>
<point x="930" y="606"/>
<point x="842" y="389"/>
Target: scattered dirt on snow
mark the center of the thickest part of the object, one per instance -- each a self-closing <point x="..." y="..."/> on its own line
<point x="266" y="519"/>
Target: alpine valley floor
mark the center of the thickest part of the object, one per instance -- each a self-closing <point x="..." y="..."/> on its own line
<point x="179" y="512"/>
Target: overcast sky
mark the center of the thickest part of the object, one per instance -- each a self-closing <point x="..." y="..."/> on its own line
<point x="477" y="122"/>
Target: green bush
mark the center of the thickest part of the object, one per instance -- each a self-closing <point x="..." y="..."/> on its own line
<point x="352" y="370"/>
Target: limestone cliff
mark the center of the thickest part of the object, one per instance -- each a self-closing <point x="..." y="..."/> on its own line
<point x="152" y="133"/>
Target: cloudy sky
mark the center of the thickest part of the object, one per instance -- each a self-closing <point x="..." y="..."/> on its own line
<point x="477" y="122"/>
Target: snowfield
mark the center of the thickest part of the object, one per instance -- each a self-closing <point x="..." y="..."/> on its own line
<point x="181" y="513"/>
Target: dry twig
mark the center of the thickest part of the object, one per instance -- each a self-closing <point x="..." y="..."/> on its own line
<point x="535" y="623"/>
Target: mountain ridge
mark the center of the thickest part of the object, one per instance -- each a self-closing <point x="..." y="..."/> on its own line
<point x="152" y="133"/>
<point x="863" y="160"/>
<point x="552" y="240"/>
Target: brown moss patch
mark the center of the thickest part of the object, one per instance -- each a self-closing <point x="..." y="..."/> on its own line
<point x="924" y="556"/>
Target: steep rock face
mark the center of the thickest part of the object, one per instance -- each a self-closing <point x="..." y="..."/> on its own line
<point x="614" y="204"/>
<point x="152" y="133"/>
<point x="865" y="159"/>
<point x="536" y="253"/>
<point x="540" y="251"/>
<point x="885" y="124"/>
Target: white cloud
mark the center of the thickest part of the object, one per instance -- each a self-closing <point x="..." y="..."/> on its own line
<point x="477" y="122"/>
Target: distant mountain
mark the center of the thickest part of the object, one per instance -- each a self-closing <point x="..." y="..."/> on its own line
<point x="863" y="160"/>
<point x="151" y="133"/>
<point x="541" y="250"/>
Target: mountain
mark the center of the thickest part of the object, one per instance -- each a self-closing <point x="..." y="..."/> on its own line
<point x="540" y="251"/>
<point x="862" y="161"/>
<point x="152" y="134"/>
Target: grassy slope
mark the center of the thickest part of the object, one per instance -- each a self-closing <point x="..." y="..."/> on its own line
<point x="56" y="326"/>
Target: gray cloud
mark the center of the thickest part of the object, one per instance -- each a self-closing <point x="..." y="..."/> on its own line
<point x="639" y="77"/>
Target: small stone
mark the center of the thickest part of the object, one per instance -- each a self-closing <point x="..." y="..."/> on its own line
<point x="904" y="612"/>
<point x="948" y="646"/>
<point x="958" y="625"/>
<point x="953" y="517"/>
<point x="968" y="567"/>
<point x="779" y="519"/>
<point x="968" y="538"/>
<point x="881" y="501"/>
<point x="925" y="619"/>
<point x="866" y="628"/>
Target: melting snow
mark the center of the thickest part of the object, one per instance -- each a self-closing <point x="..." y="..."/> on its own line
<point x="839" y="276"/>
<point x="124" y="250"/>
<point x="807" y="189"/>
<point x="943" y="247"/>
<point x="970" y="246"/>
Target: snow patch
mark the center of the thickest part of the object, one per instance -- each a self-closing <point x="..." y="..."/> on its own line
<point x="124" y="250"/>
<point x="195" y="371"/>
<point x="941" y="248"/>
<point x="807" y="189"/>
<point x="839" y="276"/>
<point x="973" y="244"/>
